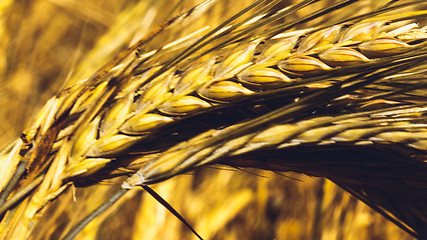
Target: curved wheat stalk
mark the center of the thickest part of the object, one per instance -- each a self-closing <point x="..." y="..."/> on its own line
<point x="241" y="96"/>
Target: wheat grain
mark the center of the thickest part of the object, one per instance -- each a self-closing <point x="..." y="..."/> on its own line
<point x="322" y="130"/>
<point x="217" y="88"/>
<point x="298" y="64"/>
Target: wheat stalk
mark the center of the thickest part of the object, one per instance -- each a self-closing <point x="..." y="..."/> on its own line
<point x="335" y="70"/>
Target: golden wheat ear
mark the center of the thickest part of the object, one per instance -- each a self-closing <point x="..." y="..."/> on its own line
<point x="244" y="138"/>
<point x="258" y="91"/>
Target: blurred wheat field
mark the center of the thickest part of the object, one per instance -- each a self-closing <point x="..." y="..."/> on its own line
<point x="44" y="43"/>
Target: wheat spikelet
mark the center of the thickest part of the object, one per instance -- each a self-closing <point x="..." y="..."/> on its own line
<point x="175" y="100"/>
<point x="109" y="119"/>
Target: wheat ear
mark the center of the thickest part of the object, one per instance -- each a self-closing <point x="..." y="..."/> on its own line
<point x="325" y="79"/>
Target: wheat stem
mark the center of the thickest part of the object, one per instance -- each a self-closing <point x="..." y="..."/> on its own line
<point x="76" y="229"/>
<point x="22" y="193"/>
<point x="20" y="169"/>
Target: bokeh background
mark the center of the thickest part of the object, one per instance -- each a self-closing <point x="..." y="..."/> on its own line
<point x="44" y="43"/>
